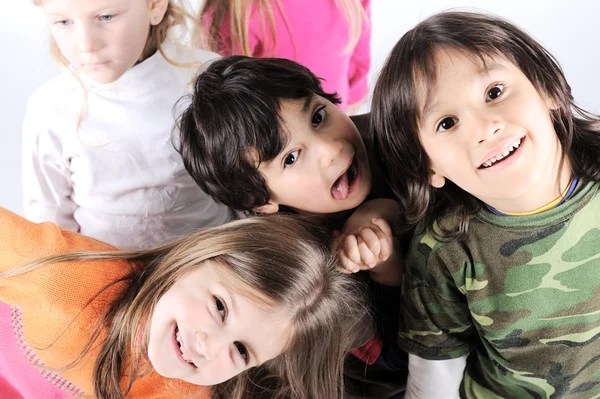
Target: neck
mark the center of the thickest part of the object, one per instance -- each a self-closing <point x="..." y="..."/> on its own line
<point x="550" y="186"/>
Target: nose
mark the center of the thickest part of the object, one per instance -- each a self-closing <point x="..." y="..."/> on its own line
<point x="484" y="126"/>
<point x="210" y="347"/>
<point x="87" y="39"/>
<point x="329" y="150"/>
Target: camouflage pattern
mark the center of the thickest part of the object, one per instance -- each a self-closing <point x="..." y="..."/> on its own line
<point x="521" y="295"/>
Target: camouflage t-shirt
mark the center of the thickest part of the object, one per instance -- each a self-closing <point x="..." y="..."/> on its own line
<point x="521" y="295"/>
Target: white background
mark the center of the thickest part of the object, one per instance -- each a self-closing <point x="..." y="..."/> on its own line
<point x="568" y="28"/>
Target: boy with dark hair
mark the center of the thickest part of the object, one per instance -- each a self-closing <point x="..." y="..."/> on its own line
<point x="260" y="135"/>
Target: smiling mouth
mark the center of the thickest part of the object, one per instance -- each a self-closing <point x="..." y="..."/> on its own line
<point x="507" y="153"/>
<point x="341" y="187"/>
<point x="179" y="344"/>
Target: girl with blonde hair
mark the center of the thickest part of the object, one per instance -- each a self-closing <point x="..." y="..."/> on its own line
<point x="254" y="308"/>
<point x="97" y="151"/>
<point x="333" y="42"/>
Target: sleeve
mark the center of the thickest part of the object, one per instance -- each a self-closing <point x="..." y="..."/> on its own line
<point x="435" y="322"/>
<point x="434" y="379"/>
<point x="360" y="61"/>
<point x="47" y="186"/>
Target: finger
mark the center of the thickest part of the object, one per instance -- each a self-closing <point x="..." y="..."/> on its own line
<point x="387" y="245"/>
<point x="366" y="255"/>
<point x="371" y="239"/>
<point x="351" y="249"/>
<point x="347" y="266"/>
<point x="385" y="227"/>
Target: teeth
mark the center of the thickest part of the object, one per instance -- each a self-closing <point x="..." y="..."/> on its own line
<point x="183" y="355"/>
<point x="496" y="158"/>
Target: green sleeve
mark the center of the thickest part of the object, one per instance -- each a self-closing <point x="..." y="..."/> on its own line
<point x="435" y="322"/>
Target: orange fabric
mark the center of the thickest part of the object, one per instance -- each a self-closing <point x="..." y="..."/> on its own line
<point x="52" y="300"/>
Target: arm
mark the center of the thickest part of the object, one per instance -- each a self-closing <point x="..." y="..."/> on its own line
<point x="360" y="62"/>
<point x="435" y="325"/>
<point x="367" y="242"/>
<point x="47" y="187"/>
<point x="434" y="379"/>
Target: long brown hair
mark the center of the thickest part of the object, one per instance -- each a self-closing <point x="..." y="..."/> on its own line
<point x="396" y="111"/>
<point x="283" y="259"/>
<point x="239" y="12"/>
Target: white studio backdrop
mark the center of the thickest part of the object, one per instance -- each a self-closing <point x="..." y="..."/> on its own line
<point x="569" y="29"/>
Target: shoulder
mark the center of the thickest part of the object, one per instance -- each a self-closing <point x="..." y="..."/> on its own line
<point x="24" y="241"/>
<point x="54" y="89"/>
<point x="186" y="56"/>
<point x="184" y="63"/>
<point x="434" y="256"/>
<point x="53" y="102"/>
<point x="61" y="302"/>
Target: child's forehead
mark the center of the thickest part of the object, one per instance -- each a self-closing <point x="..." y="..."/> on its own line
<point x="447" y="64"/>
<point x="296" y="106"/>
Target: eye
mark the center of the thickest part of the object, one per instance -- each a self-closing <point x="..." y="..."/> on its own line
<point x="221" y="309"/>
<point x="62" y="22"/>
<point x="106" y="17"/>
<point x="446" y="124"/>
<point x="494" y="92"/>
<point x="291" y="158"/>
<point x="242" y="351"/>
<point x="319" y="116"/>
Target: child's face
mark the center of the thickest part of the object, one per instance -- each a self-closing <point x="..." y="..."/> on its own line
<point x="324" y="167"/>
<point x="489" y="132"/>
<point x="222" y="332"/>
<point x="102" y="38"/>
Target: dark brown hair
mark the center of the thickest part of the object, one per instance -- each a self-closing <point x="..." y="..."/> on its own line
<point x="235" y="108"/>
<point x="396" y="110"/>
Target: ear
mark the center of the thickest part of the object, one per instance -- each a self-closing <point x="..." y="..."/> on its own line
<point x="269" y="207"/>
<point x="157" y="9"/>
<point x="436" y="180"/>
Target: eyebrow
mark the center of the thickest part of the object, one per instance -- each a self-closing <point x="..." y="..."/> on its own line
<point x="307" y="102"/>
<point x="484" y="70"/>
<point x="246" y="344"/>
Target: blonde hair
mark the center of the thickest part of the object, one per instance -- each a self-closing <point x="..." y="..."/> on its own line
<point x="239" y="12"/>
<point x="175" y="15"/>
<point x="283" y="259"/>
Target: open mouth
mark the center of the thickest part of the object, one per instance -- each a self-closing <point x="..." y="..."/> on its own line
<point x="181" y="346"/>
<point x="344" y="184"/>
<point x="504" y="155"/>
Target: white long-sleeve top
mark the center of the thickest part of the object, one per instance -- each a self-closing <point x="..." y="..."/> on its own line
<point x="116" y="177"/>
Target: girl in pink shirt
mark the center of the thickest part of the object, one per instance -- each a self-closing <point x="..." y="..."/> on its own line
<point x="330" y="37"/>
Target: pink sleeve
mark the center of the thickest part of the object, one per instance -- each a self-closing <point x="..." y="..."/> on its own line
<point x="361" y="60"/>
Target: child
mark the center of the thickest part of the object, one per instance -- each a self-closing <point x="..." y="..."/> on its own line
<point x="259" y="299"/>
<point x="97" y="151"/>
<point x="330" y="37"/>
<point x="486" y="149"/>
<point x="261" y="135"/>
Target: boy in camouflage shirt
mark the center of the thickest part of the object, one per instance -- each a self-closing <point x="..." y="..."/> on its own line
<point x="501" y="170"/>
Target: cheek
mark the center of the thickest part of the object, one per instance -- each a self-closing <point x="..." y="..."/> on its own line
<point x="63" y="42"/>
<point x="132" y="39"/>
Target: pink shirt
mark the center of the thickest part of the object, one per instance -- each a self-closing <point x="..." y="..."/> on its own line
<point x="18" y="377"/>
<point x="315" y="35"/>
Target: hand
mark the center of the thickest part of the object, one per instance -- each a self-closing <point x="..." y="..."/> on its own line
<point x="365" y="250"/>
